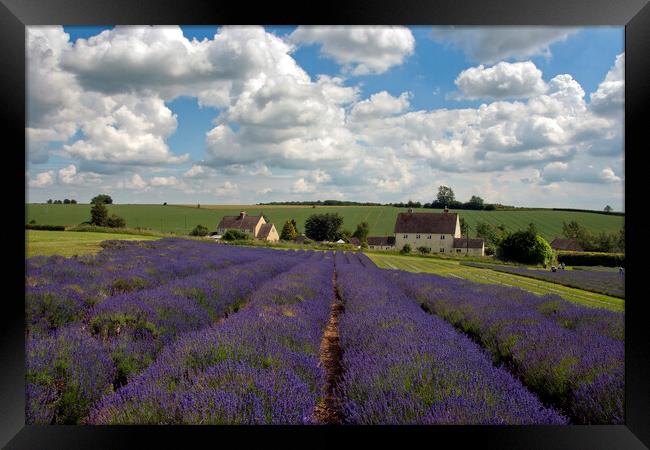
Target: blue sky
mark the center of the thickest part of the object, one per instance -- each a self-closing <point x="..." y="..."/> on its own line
<point x="526" y="116"/>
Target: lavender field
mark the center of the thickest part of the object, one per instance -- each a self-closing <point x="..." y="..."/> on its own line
<point x="185" y="332"/>
<point x="608" y="282"/>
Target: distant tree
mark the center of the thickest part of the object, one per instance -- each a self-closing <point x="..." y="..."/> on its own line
<point x="102" y="198"/>
<point x="49" y="202"/>
<point x="165" y="204"/>
<point x="99" y="215"/>
<point x="405" y="249"/>
<point x="58" y="202"/>
<point x="32" y="222"/>
<point x="445" y="196"/>
<point x="73" y="201"/>
<point x="289" y="232"/>
<point x="345" y="235"/>
<point x="475" y="202"/>
<point x="198" y="205"/>
<point x="573" y="230"/>
<point x="66" y="201"/>
<point x="621" y="240"/>
<point x="323" y="227"/>
<point x="361" y="233"/>
<point x="295" y="225"/>
<point x="532" y="228"/>
<point x="424" y="250"/>
<point x="608" y="209"/>
<point x="199" y="230"/>
<point x="115" y="221"/>
<point x="234" y="235"/>
<point x="464" y="226"/>
<point x="605" y="242"/>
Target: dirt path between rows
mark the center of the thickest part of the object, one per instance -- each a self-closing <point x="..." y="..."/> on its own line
<point x="329" y="410"/>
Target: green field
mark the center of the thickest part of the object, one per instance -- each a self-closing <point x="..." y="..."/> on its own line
<point x="455" y="269"/>
<point x="181" y="219"/>
<point x="69" y="243"/>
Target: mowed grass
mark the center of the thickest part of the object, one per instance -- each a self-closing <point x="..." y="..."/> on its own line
<point x="69" y="243"/>
<point x="455" y="269"/>
<point x="182" y="218"/>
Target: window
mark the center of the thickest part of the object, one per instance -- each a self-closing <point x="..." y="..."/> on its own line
<point x="405" y="236"/>
<point x="442" y="236"/>
<point x="442" y="250"/>
<point x="417" y="236"/>
<point x="457" y="250"/>
<point x="429" y="237"/>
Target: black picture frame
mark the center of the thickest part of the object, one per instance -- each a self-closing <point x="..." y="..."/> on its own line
<point x="633" y="14"/>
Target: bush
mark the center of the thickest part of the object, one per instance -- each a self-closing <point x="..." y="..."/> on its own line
<point x="199" y="230"/>
<point x="526" y="247"/>
<point x="406" y="249"/>
<point x="31" y="226"/>
<point x="99" y="215"/>
<point x="234" y="235"/>
<point x="115" y="221"/>
<point x="591" y="259"/>
<point x="424" y="250"/>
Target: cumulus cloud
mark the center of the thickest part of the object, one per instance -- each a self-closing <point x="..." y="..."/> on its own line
<point x="490" y="44"/>
<point x="361" y="50"/>
<point x="577" y="172"/>
<point x="380" y="104"/>
<point x="163" y="181"/>
<point x="504" y="80"/>
<point x="42" y="180"/>
<point x="227" y="188"/>
<point x="194" y="172"/>
<point x="609" y="98"/>
<point x="302" y="186"/>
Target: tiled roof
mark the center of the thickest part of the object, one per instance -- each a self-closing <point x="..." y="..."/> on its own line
<point x="566" y="244"/>
<point x="246" y="223"/>
<point x="473" y="243"/>
<point x="265" y="230"/>
<point x="438" y="223"/>
<point x="354" y="241"/>
<point x="384" y="241"/>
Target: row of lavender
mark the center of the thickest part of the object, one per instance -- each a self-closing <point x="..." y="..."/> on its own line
<point x="572" y="356"/>
<point x="604" y="282"/>
<point x="96" y="346"/>
<point x="261" y="366"/>
<point x="404" y="366"/>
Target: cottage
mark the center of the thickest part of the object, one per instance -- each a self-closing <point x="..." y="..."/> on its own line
<point x="381" y="242"/>
<point x="439" y="232"/>
<point x="254" y="226"/>
<point x="567" y="245"/>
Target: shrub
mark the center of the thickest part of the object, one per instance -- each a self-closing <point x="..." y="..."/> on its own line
<point x="406" y="249"/>
<point x="526" y="247"/>
<point x="31" y="226"/>
<point x="115" y="221"/>
<point x="591" y="259"/>
<point x="424" y="250"/>
<point x="234" y="235"/>
<point x="99" y="215"/>
<point x="199" y="230"/>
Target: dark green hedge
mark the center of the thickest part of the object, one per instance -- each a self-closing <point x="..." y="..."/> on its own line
<point x="31" y="226"/>
<point x="591" y="259"/>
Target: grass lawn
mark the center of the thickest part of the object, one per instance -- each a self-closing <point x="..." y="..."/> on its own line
<point x="449" y="268"/>
<point x="182" y="218"/>
<point x="69" y="243"/>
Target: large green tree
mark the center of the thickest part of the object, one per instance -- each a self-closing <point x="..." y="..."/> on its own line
<point x="323" y="227"/>
<point x="289" y="232"/>
<point x="445" y="196"/>
<point x="102" y="198"/>
<point x="99" y="215"/>
<point x="526" y="247"/>
<point x="361" y="233"/>
<point x="475" y="202"/>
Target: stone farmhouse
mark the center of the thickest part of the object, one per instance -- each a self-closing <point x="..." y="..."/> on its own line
<point x="440" y="232"/>
<point x="255" y="226"/>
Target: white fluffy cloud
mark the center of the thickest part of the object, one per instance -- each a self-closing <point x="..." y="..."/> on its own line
<point x="504" y="80"/>
<point x="380" y="105"/>
<point x="490" y="44"/>
<point x="609" y="99"/>
<point x="163" y="181"/>
<point x="361" y="50"/>
<point x="42" y="180"/>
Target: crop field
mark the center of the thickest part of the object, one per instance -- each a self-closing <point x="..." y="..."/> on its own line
<point x="603" y="281"/>
<point x="65" y="243"/>
<point x="182" y="218"/>
<point x="455" y="269"/>
<point x="176" y="331"/>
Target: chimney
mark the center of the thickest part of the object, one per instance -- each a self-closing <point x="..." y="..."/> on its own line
<point x="410" y="210"/>
<point x="242" y="214"/>
<point x="446" y="209"/>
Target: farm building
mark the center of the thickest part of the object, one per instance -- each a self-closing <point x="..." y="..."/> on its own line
<point x="566" y="244"/>
<point x="439" y="232"/>
<point x="381" y="242"/>
<point x="254" y="226"/>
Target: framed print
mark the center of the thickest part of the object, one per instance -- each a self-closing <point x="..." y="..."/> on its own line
<point x="387" y="220"/>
